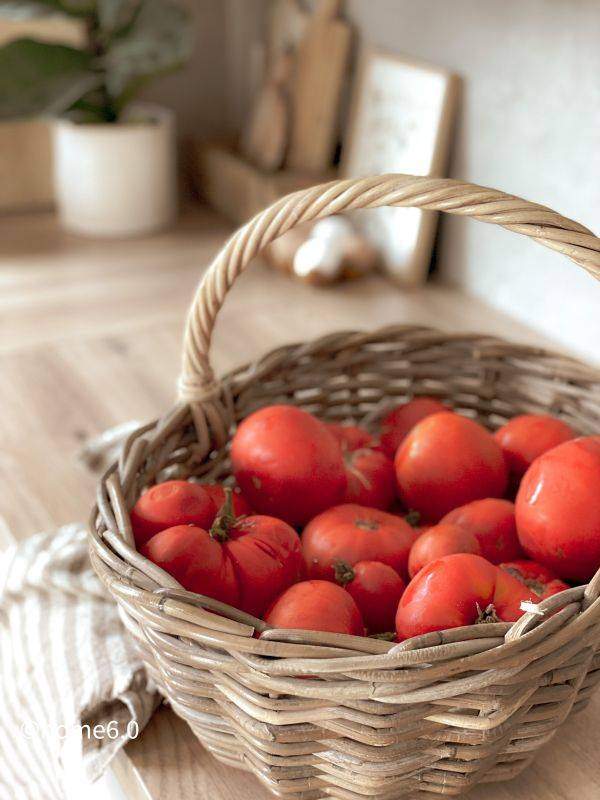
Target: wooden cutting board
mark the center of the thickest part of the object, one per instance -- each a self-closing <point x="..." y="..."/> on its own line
<point x="286" y="25"/>
<point x="321" y="69"/>
<point x="265" y="138"/>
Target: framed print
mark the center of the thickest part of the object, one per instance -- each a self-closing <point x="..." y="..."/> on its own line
<point x="401" y="121"/>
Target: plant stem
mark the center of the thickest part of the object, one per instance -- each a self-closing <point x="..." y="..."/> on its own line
<point x="97" y="48"/>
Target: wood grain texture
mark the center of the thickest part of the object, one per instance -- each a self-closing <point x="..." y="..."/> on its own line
<point x="264" y="140"/>
<point x="25" y="165"/>
<point x="321" y="70"/>
<point x="90" y="336"/>
<point x="171" y="763"/>
<point x="237" y="188"/>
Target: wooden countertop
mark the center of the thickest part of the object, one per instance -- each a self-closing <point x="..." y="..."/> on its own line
<point x="90" y="336"/>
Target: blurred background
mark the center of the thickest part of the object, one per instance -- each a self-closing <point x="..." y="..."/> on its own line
<point x="526" y="120"/>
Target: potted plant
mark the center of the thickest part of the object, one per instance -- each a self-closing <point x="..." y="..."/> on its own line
<point x="114" y="160"/>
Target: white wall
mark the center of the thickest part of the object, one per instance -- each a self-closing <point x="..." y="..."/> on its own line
<point x="196" y="93"/>
<point x="530" y="125"/>
<point x="211" y="93"/>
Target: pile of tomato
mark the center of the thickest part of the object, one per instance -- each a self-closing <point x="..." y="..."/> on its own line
<point x="433" y="522"/>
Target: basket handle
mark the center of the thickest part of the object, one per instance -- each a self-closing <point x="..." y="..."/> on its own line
<point x="197" y="381"/>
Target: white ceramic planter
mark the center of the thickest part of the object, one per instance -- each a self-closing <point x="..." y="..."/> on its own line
<point x="117" y="179"/>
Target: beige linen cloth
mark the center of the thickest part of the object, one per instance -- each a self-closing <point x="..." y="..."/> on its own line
<point x="72" y="689"/>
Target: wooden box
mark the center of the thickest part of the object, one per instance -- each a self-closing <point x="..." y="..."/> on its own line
<point x="237" y="188"/>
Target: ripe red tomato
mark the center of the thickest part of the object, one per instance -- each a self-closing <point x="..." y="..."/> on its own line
<point x="369" y="473"/>
<point x="216" y="492"/>
<point x="371" y="479"/>
<point x="245" y="562"/>
<point x="539" y="579"/>
<point x="351" y="437"/>
<point x="447" y="461"/>
<point x="316" y="606"/>
<point x="421" y="529"/>
<point x="528" y="436"/>
<point x="492" y="521"/>
<point x="267" y="559"/>
<point x="396" y="425"/>
<point x="168" y="504"/>
<point x="558" y="509"/>
<point x="376" y="589"/>
<point x="288" y="464"/>
<point x="353" y="533"/>
<point x="440" y="540"/>
<point x="196" y="560"/>
<point x="508" y="596"/>
<point x="458" y="590"/>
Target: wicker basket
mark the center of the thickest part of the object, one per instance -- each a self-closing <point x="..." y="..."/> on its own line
<point x="435" y="714"/>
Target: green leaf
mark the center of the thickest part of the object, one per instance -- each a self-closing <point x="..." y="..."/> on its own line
<point x="37" y="78"/>
<point x="88" y="111"/>
<point x="157" y="41"/>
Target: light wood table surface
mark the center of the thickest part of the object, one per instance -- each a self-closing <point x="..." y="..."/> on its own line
<point x="90" y="337"/>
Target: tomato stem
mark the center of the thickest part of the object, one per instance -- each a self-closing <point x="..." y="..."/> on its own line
<point x="388" y="636"/>
<point x="487" y="614"/>
<point x="343" y="572"/>
<point x="224" y="520"/>
<point x="413" y="518"/>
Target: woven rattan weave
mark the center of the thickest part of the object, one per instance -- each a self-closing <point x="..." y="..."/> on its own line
<point x="315" y="714"/>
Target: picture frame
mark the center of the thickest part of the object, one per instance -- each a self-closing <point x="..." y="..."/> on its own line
<point x="401" y="120"/>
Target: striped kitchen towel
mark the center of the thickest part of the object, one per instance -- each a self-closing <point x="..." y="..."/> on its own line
<point x="72" y="689"/>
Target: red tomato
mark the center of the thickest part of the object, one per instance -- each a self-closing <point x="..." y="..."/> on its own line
<point x="492" y="521"/>
<point x="241" y="507"/>
<point x="351" y="437"/>
<point x="458" y="590"/>
<point x="508" y="596"/>
<point x="168" y="504"/>
<point x="447" y="461"/>
<point x="288" y="464"/>
<point x="421" y="529"/>
<point x="539" y="579"/>
<point x="396" y="425"/>
<point x="440" y="540"/>
<point x="528" y="436"/>
<point x="369" y="473"/>
<point x="376" y="589"/>
<point x="196" y="560"/>
<point x="316" y="606"/>
<point x="353" y="533"/>
<point x="245" y="562"/>
<point x="558" y="509"/>
<point x="371" y="479"/>
<point x="267" y="559"/>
